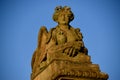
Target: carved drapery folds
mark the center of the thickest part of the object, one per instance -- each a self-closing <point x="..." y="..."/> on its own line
<point x="61" y="51"/>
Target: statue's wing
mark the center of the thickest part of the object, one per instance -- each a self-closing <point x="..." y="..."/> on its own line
<point x="42" y="39"/>
<point x="39" y="52"/>
<point x="33" y="59"/>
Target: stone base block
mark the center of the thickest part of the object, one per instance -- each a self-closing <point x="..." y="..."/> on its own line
<point x="68" y="70"/>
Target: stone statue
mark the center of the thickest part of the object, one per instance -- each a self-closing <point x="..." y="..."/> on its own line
<point x="62" y="39"/>
<point x="63" y="42"/>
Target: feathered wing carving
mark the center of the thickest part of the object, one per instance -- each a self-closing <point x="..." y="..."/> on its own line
<point x="39" y="53"/>
<point x="42" y="39"/>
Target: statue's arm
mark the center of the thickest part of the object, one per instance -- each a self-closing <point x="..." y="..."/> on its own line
<point x="62" y="47"/>
<point x="77" y="30"/>
<point x="84" y="49"/>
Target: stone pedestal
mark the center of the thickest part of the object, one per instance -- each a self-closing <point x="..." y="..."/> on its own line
<point x="61" y="67"/>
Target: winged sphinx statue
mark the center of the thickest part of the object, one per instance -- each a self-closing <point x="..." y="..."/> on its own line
<point x="63" y="39"/>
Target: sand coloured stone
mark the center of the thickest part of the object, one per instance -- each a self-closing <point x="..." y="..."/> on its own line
<point x="61" y="53"/>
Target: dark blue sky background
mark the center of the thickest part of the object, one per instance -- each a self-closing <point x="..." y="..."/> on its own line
<point x="20" y="21"/>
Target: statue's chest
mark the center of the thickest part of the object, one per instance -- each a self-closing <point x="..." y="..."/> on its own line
<point x="61" y="37"/>
<point x="71" y="36"/>
<point x="65" y="36"/>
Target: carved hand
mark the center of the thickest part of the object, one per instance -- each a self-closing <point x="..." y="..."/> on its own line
<point x="70" y="48"/>
<point x="73" y="50"/>
<point x="78" y="44"/>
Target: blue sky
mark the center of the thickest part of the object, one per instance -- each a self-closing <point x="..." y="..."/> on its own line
<point x="20" y="21"/>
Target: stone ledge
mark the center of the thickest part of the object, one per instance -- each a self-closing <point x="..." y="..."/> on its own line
<point x="59" y="69"/>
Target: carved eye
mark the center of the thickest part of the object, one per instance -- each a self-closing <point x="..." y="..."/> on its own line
<point x="58" y="9"/>
<point x="68" y="9"/>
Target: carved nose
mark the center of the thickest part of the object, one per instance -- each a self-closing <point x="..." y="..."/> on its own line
<point x="63" y="17"/>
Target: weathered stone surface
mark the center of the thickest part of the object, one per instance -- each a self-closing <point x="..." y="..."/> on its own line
<point x="61" y="53"/>
<point x="60" y="68"/>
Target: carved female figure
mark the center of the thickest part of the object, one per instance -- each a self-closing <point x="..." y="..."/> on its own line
<point x="62" y="39"/>
<point x="64" y="34"/>
<point x="61" y="52"/>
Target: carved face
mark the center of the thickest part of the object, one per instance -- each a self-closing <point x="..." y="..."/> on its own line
<point x="63" y="15"/>
<point x="63" y="19"/>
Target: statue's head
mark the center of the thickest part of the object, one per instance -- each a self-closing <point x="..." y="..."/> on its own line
<point x="63" y="15"/>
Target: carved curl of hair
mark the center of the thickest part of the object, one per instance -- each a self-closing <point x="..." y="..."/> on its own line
<point x="66" y="10"/>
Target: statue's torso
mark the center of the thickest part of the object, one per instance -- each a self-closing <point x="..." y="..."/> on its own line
<point x="63" y="36"/>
